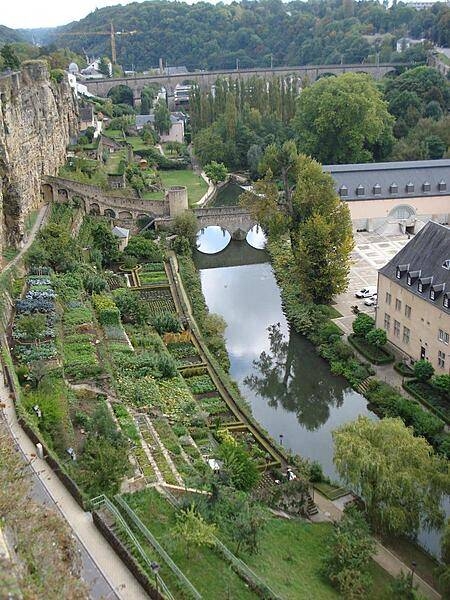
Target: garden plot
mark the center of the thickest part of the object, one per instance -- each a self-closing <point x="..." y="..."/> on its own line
<point x="159" y="299"/>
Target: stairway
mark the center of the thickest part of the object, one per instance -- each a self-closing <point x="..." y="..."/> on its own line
<point x="311" y="508"/>
<point x="363" y="386"/>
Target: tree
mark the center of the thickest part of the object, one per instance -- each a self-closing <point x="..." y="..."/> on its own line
<point x="216" y="172"/>
<point x="444" y="570"/>
<point x="104" y="66"/>
<point x="239" y="468"/>
<point x="423" y="370"/>
<point x="399" y="477"/>
<point x="377" y="337"/>
<point x="10" y="58"/>
<point x="349" y="556"/>
<point x="186" y="225"/>
<point x="143" y="249"/>
<point x="343" y="119"/>
<point x="442" y="383"/>
<point x="433" y="110"/>
<point x="254" y="155"/>
<point x="162" y="118"/>
<point x="402" y="588"/>
<point x="363" y="325"/>
<point x="131" y="307"/>
<point x="194" y="530"/>
<point x="105" y="241"/>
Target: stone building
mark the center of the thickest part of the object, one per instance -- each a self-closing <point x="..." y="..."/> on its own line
<point x="414" y="298"/>
<point x="394" y="197"/>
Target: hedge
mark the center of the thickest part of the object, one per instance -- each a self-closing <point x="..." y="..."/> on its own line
<point x="403" y="369"/>
<point x="377" y="356"/>
<point x="108" y="313"/>
<point x="433" y="400"/>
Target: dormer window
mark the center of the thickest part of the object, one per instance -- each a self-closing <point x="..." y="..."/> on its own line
<point x="409" y="187"/>
<point x="343" y="190"/>
<point x="446" y="264"/>
<point x="400" y="270"/>
<point x="412" y="277"/>
<point x="436" y="291"/>
<point x="393" y="188"/>
<point x="426" y="186"/>
<point x="446" y="301"/>
<point x="377" y="189"/>
<point x="360" y="191"/>
<point x="442" y="186"/>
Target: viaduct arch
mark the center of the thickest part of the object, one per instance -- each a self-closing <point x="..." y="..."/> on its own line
<point x="205" y="79"/>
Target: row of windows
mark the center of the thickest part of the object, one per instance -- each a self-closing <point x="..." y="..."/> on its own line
<point x="398" y="305"/>
<point x="423" y="284"/>
<point x="397" y="328"/>
<point x="393" y="188"/>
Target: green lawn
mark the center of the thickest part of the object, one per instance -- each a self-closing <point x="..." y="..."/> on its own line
<point x="289" y="560"/>
<point x="196" y="186"/>
<point x="115" y="134"/>
<point x="137" y="143"/>
<point x="209" y="573"/>
<point x="114" y="159"/>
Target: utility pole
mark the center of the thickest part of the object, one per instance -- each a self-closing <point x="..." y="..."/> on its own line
<point x="237" y="64"/>
<point x="271" y="61"/>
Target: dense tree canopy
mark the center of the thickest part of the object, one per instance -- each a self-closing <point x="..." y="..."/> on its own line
<point x="397" y="474"/>
<point x="204" y="36"/>
<point x="343" y="119"/>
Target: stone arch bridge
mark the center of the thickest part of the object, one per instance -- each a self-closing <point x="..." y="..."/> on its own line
<point x="205" y="79"/>
<point x="236" y="220"/>
<point x="128" y="210"/>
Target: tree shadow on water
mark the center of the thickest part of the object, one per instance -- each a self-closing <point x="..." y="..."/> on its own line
<point x="293" y="376"/>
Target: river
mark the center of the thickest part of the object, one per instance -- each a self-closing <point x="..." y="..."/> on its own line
<point x="290" y="388"/>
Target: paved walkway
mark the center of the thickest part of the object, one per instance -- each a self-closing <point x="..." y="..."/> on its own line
<point x="384" y="557"/>
<point x="42" y="215"/>
<point x="109" y="564"/>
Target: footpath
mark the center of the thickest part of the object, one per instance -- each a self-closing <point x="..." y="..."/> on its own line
<point x="109" y="564"/>
<point x="41" y="217"/>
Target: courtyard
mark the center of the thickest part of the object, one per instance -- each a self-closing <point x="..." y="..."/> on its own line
<point x="371" y="252"/>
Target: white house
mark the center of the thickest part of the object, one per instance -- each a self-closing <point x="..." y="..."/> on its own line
<point x="176" y="133"/>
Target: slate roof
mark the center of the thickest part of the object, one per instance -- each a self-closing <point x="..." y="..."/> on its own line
<point x="423" y="258"/>
<point x="368" y="176"/>
<point x="141" y="120"/>
<point x="120" y="232"/>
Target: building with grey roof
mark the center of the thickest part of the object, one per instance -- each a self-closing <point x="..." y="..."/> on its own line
<point x="414" y="297"/>
<point x="407" y="193"/>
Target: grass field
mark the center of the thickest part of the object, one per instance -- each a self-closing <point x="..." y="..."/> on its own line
<point x="115" y="134"/>
<point x="289" y="560"/>
<point x="209" y="573"/>
<point x="196" y="186"/>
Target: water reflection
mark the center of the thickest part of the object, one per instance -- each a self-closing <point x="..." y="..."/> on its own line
<point x="256" y="238"/>
<point x="212" y="239"/>
<point x="282" y="377"/>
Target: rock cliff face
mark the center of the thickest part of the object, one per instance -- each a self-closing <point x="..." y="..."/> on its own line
<point x="37" y="119"/>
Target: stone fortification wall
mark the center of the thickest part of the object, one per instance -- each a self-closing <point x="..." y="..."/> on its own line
<point x="37" y="119"/>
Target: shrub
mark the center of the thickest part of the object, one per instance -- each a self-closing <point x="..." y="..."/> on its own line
<point x="108" y="313"/>
<point x="238" y="465"/>
<point x="166" y="322"/>
<point x="441" y="383"/>
<point x="143" y="249"/>
<point x="362" y="325"/>
<point x="423" y="370"/>
<point x="377" y="337"/>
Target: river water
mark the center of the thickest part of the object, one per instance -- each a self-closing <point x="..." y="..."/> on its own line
<point x="290" y="388"/>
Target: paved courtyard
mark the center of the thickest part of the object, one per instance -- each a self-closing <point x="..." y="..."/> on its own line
<point x="371" y="252"/>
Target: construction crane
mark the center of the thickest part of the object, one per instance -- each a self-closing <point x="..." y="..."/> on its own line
<point x="112" y="35"/>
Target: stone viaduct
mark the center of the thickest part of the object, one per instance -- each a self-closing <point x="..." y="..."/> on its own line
<point x="205" y="79"/>
<point x="127" y="210"/>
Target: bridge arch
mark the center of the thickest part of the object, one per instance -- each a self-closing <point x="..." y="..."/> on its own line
<point x="63" y="194"/>
<point x="47" y="192"/>
<point x="125" y="215"/>
<point x="121" y="94"/>
<point x="94" y="209"/>
<point x="108" y="212"/>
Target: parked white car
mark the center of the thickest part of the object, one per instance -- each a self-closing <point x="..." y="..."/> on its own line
<point x="367" y="292"/>
<point x="371" y="301"/>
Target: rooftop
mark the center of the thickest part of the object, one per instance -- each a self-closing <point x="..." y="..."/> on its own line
<point x="374" y="181"/>
<point x="423" y="266"/>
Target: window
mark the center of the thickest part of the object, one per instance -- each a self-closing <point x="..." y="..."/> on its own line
<point x="393" y="188"/>
<point x="407" y="311"/>
<point x="442" y="186"/>
<point x="360" y="191"/>
<point x="343" y="190"/>
<point x="420" y="287"/>
<point x="446" y="301"/>
<point x="409" y="279"/>
<point x="398" y="304"/>
<point x="387" y="321"/>
<point x="406" y="334"/>
<point x="432" y="295"/>
<point x="443" y="336"/>
<point x="377" y="189"/>
<point x="441" y="359"/>
<point x="426" y="187"/>
<point x="409" y="187"/>
<point x="388" y="298"/>
<point x="397" y="328"/>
